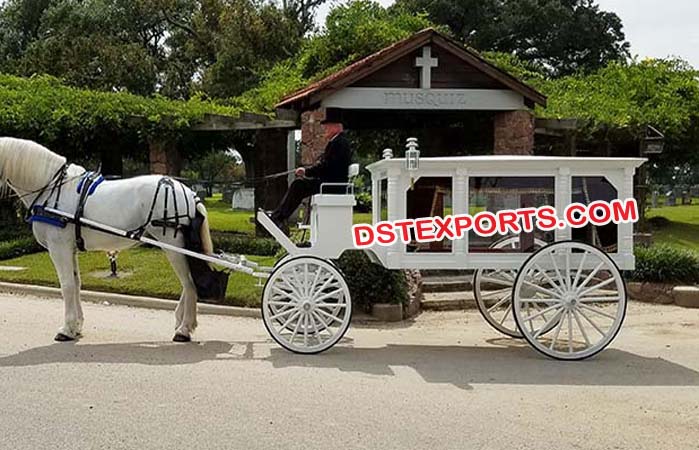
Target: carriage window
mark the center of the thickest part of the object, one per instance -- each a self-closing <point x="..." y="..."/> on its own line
<point x="495" y="194"/>
<point x="430" y="197"/>
<point x="587" y="190"/>
<point x="383" y="214"/>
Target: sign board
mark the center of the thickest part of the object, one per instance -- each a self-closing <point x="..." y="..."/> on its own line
<point x="426" y="99"/>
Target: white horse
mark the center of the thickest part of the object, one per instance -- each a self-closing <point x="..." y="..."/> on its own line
<point x="27" y="168"/>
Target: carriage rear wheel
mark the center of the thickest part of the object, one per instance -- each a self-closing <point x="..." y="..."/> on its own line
<point x="583" y="297"/>
<point x="306" y="305"/>
<point x="492" y="290"/>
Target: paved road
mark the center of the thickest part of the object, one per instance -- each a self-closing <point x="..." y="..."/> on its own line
<point x="444" y="381"/>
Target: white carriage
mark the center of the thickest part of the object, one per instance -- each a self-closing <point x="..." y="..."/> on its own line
<point x="561" y="291"/>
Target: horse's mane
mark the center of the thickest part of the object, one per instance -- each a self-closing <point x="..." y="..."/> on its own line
<point x="26" y="164"/>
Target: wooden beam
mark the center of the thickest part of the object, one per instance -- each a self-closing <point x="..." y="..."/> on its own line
<point x="559" y="124"/>
<point x="287" y="114"/>
<point x="246" y="121"/>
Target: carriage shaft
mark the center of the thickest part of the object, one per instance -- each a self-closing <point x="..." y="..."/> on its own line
<point x="125" y="234"/>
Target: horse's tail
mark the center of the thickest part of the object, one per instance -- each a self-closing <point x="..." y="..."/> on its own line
<point x="204" y="232"/>
<point x="210" y="283"/>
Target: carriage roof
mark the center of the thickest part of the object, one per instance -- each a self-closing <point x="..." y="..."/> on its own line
<point x="497" y="162"/>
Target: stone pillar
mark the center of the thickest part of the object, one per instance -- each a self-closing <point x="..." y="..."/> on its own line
<point x="313" y="139"/>
<point x="514" y="133"/>
<point x="165" y="159"/>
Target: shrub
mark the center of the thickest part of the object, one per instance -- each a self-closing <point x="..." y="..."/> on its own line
<point x="246" y="245"/>
<point x="665" y="264"/>
<point x="659" y="222"/>
<point x="370" y="283"/>
<point x="363" y="202"/>
<point x="18" y="247"/>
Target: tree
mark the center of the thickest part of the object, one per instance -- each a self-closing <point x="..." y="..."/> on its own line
<point x="302" y="12"/>
<point x="215" y="167"/>
<point x="562" y="36"/>
<point x="240" y="41"/>
<point x="628" y="96"/>
<point x="173" y="47"/>
<point x="98" y="44"/>
<point x="352" y="31"/>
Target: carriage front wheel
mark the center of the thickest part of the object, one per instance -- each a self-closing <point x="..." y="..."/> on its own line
<point x="306" y="305"/>
<point x="582" y="295"/>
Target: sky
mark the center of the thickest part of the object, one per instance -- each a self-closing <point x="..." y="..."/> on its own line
<point x="654" y="28"/>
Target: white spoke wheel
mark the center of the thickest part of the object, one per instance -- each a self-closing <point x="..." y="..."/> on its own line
<point x="584" y="298"/>
<point x="492" y="290"/>
<point x="306" y="305"/>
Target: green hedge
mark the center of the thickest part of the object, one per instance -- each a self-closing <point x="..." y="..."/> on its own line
<point x="370" y="283"/>
<point x="45" y="106"/>
<point x="665" y="264"/>
<point x="246" y="245"/>
<point x="20" y="246"/>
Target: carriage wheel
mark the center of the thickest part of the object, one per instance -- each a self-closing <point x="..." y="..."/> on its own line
<point x="584" y="297"/>
<point x="306" y="305"/>
<point x="496" y="305"/>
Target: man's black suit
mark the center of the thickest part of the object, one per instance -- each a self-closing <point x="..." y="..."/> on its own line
<point x="331" y="167"/>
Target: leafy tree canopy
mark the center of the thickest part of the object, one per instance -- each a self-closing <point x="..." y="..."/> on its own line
<point x="45" y="109"/>
<point x="663" y="93"/>
<point x="174" y="47"/>
<point x="351" y="31"/>
<point x="562" y="36"/>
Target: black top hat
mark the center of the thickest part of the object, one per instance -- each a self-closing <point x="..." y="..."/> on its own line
<point x="333" y="116"/>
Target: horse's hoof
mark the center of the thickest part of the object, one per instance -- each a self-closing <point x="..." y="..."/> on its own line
<point x="60" y="337"/>
<point x="181" y="338"/>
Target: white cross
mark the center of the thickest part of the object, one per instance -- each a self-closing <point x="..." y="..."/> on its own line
<point x="426" y="62"/>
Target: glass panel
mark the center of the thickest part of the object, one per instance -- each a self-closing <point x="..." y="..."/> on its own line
<point x="430" y="197"/>
<point x="383" y="215"/>
<point x="591" y="189"/>
<point x="495" y="194"/>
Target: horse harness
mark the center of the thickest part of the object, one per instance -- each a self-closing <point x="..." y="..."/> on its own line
<point x="167" y="222"/>
<point x="89" y="182"/>
<point x="87" y="186"/>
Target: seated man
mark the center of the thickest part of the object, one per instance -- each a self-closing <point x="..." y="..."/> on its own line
<point x="331" y="167"/>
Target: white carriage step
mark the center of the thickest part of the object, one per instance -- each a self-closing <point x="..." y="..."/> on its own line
<point x="448" y="301"/>
<point x="458" y="283"/>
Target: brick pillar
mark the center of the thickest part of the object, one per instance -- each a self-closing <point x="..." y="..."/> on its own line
<point x="313" y="139"/>
<point x="514" y="133"/>
<point x="165" y="159"/>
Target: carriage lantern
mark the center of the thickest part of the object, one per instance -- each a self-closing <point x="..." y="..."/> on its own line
<point x="412" y="159"/>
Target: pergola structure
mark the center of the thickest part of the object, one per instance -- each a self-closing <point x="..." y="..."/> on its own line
<point x="273" y="146"/>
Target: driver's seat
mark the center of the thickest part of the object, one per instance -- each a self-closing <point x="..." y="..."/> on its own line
<point x="352" y="173"/>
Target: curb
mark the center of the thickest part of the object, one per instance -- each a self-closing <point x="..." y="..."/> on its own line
<point x="664" y="294"/>
<point x="128" y="300"/>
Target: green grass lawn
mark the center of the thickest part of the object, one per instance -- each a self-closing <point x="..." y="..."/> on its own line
<point x="682" y="230"/>
<point x="151" y="275"/>
<point x="223" y="218"/>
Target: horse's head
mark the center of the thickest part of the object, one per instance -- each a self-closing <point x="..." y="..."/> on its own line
<point x="26" y="166"/>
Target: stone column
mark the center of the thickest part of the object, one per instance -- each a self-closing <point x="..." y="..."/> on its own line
<point x="165" y="159"/>
<point x="514" y="133"/>
<point x="313" y="139"/>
